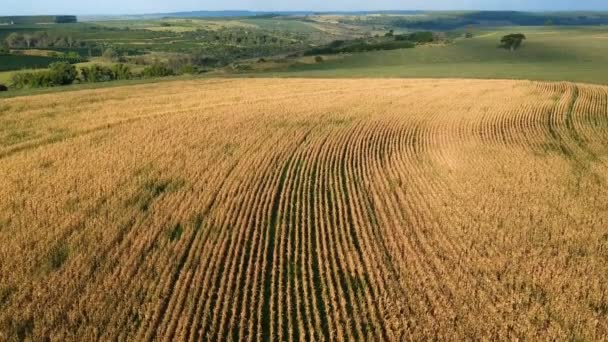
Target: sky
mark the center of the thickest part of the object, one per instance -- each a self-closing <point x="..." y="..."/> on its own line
<point x="79" y="7"/>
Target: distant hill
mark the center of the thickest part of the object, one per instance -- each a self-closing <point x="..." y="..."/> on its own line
<point x="214" y="14"/>
<point x="414" y="20"/>
<point x="455" y="20"/>
<point x="234" y="14"/>
<point x="245" y="13"/>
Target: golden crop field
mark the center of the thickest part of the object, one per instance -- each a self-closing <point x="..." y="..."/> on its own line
<point x="294" y="209"/>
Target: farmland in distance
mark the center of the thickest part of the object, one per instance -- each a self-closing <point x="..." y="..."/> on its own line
<point x="299" y="209"/>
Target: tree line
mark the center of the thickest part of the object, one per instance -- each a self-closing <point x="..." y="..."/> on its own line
<point x="41" y="39"/>
<point x="390" y="41"/>
<point x="63" y="73"/>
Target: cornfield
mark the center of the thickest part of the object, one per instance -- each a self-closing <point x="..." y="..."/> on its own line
<point x="269" y="209"/>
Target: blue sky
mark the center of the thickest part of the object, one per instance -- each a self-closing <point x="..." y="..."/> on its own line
<point x="16" y="7"/>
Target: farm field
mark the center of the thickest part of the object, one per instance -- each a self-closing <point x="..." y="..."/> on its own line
<point x="17" y="62"/>
<point x="300" y="209"/>
<point x="577" y="54"/>
<point x="6" y="76"/>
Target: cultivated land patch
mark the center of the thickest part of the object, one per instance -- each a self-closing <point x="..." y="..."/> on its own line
<point x="548" y="54"/>
<point x="282" y="209"/>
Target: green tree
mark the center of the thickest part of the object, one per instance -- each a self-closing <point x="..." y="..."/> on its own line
<point x="15" y="40"/>
<point x="4" y="49"/>
<point x="41" y="39"/>
<point x="62" y="73"/>
<point x="512" y="41"/>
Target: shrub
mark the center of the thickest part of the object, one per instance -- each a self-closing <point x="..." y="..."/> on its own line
<point x="3" y="87"/>
<point x="100" y="73"/>
<point x="19" y="80"/>
<point x="188" y="69"/>
<point x="318" y="59"/>
<point x="468" y="35"/>
<point x="60" y="73"/>
<point x="157" y="70"/>
<point x="37" y="79"/>
<point x="42" y="79"/>
<point x="96" y="73"/>
<point x="122" y="72"/>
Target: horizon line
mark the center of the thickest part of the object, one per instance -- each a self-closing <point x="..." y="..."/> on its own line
<point x="314" y="11"/>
